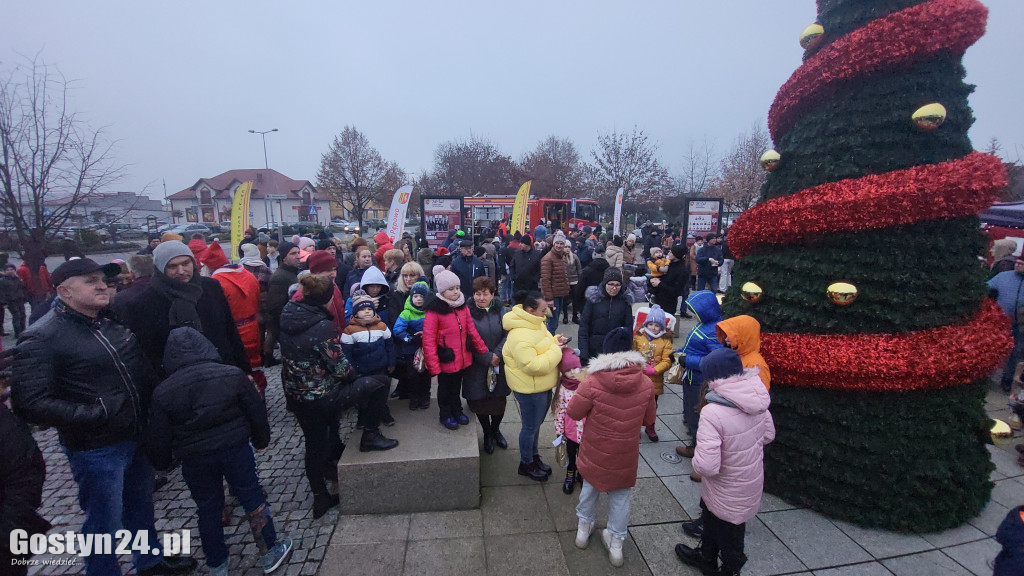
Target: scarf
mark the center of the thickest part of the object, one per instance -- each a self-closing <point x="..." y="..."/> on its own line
<point x="184" y="297"/>
<point x="454" y="303"/>
<point x="653" y="336"/>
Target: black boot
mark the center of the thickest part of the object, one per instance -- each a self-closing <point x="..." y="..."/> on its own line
<point x="387" y="419"/>
<point x="693" y="557"/>
<point x="324" y="502"/>
<point x="694" y="528"/>
<point x="531" y="471"/>
<point x="499" y="440"/>
<point x="570" y="482"/>
<point x="373" y="440"/>
<point x="488" y="443"/>
<point x="541" y="465"/>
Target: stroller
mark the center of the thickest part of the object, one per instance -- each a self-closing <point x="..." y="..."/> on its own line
<point x="638" y="290"/>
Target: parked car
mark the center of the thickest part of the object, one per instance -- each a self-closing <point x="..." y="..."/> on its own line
<point x="187" y="230"/>
<point x="345" y="226"/>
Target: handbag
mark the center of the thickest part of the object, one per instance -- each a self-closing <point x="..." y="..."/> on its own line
<point x="560" y="453"/>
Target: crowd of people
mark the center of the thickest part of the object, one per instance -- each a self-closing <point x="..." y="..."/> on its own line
<point x="119" y="358"/>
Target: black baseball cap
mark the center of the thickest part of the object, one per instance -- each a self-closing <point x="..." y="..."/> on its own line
<point x="81" y="267"/>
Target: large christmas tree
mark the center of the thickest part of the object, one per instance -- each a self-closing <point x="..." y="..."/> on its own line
<point x="878" y="388"/>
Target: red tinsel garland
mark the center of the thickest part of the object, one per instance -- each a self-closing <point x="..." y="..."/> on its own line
<point x="929" y="192"/>
<point x="928" y="359"/>
<point x="898" y="39"/>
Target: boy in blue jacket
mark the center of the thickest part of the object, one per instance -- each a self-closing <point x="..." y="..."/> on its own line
<point x="368" y="345"/>
<point x="409" y="332"/>
<point x="701" y="341"/>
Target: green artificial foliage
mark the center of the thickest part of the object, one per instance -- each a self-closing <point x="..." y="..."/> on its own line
<point x="907" y="461"/>
<point x="867" y="128"/>
<point x="839" y="17"/>
<point x="909" y="278"/>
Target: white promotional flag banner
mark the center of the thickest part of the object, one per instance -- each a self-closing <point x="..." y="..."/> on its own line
<point x="397" y="212"/>
<point x="618" y="211"/>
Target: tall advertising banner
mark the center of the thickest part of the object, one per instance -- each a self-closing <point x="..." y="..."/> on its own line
<point x="618" y="211"/>
<point x="240" y="214"/>
<point x="519" y="209"/>
<point x="396" y="214"/>
<point x="439" y="215"/>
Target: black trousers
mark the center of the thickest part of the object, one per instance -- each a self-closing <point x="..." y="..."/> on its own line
<point x="320" y="427"/>
<point x="412" y="382"/>
<point x="449" y="394"/>
<point x="723" y="539"/>
<point x="571" y="450"/>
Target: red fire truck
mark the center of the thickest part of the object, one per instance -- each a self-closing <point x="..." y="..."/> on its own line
<point x="483" y="210"/>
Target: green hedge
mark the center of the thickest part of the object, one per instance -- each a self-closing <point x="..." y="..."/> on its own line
<point x="909" y="461"/>
<point x="867" y="128"/>
<point x="909" y="278"/>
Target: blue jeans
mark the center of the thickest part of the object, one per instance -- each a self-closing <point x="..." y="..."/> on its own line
<point x="1015" y="356"/>
<point x="205" y="477"/>
<point x="556" y="309"/>
<point x="707" y="283"/>
<point x="115" y="490"/>
<point x="691" y="399"/>
<point x="506" y="289"/>
<point x="532" y="407"/>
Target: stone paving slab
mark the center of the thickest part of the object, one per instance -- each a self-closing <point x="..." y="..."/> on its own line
<point x="883" y="543"/>
<point x="869" y="569"/>
<point x="593" y="560"/>
<point x="518" y="554"/>
<point x="975" y="556"/>
<point x="816" y="542"/>
<point x="515" y="510"/>
<point x="451" y="556"/>
<point x="932" y="563"/>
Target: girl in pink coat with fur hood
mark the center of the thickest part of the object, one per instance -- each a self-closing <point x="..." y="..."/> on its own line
<point x="735" y="426"/>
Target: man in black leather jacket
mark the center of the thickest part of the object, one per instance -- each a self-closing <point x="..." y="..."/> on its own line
<point x="84" y="374"/>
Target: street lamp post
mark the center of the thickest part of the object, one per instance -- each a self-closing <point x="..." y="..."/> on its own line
<point x="264" y="133"/>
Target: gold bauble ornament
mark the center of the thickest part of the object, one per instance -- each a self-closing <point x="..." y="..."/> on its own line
<point x="1000" y="429"/>
<point x="842" y="293"/>
<point x="751" y="292"/>
<point x="812" y="36"/>
<point x="929" y="116"/>
<point x="770" y="160"/>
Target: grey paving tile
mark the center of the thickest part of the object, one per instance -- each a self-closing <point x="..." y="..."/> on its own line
<point x="376" y="528"/>
<point x="563" y="506"/>
<point x="518" y="554"/>
<point x="657" y="543"/>
<point x="686" y="492"/>
<point x="651" y="453"/>
<point x="883" y="543"/>
<point x="868" y="569"/>
<point x="515" y="510"/>
<point x="593" y="560"/>
<point x="665" y="434"/>
<point x="975" y="556"/>
<point x="1006" y="463"/>
<point x="958" y="535"/>
<point x="670" y="404"/>
<point x="381" y="558"/>
<point x="455" y="556"/>
<point x="772" y="503"/>
<point x="1009" y="492"/>
<point x="652" y="503"/>
<point x="765" y="552"/>
<point x="502" y="467"/>
<point x="932" y="563"/>
<point x="676" y="425"/>
<point x="991" y="516"/>
<point x="816" y="542"/>
<point x="643" y="470"/>
<point x="450" y="524"/>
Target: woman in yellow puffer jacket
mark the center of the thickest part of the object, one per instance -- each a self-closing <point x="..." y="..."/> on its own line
<point x="531" y="357"/>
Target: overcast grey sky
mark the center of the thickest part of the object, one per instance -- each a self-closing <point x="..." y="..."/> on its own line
<point x="178" y="84"/>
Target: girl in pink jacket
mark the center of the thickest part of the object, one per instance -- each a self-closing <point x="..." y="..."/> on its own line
<point x="570" y="430"/>
<point x="735" y="426"/>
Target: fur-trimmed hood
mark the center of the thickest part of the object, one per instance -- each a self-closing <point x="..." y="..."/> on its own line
<point x="616" y="361"/>
<point x="595" y="294"/>
<point x="745" y="391"/>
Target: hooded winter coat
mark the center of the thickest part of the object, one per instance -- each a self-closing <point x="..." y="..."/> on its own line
<point x="531" y="353"/>
<point x="313" y="362"/>
<point x="488" y="323"/>
<point x="744" y="334"/>
<point x="657" y="352"/>
<point x="1010" y="560"/>
<point x="277" y="291"/>
<point x="454" y="329"/>
<point x="384" y="244"/>
<point x="616" y="398"/>
<point x="526" y="269"/>
<point x="243" y="293"/>
<point x="703" y="338"/>
<point x="369" y="347"/>
<point x="735" y="426"/>
<point x="409" y="322"/>
<point x="21" y="483"/>
<point x="190" y="417"/>
<point x="373" y="276"/>
<point x="613" y="254"/>
<point x="554" y="279"/>
<point x="602" y="314"/>
<point x="592" y="274"/>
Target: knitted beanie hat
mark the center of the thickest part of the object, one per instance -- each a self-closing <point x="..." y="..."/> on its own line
<point x="420" y="288"/>
<point x="321" y="261"/>
<point x="612" y="274"/>
<point x="250" y="251"/>
<point x="361" y="300"/>
<point x="618" y="340"/>
<point x="168" y="251"/>
<point x="570" y="361"/>
<point x="444" y="280"/>
<point x="306" y="244"/>
<point x="657" y="316"/>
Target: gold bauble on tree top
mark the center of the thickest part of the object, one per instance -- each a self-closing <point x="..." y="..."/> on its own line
<point x="812" y="36"/>
<point x="929" y="116"/>
<point x="842" y="293"/>
<point x="770" y="160"/>
<point x="751" y="292"/>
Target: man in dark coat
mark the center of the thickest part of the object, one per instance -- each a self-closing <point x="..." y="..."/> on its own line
<point x="467" y="267"/>
<point x="83" y="373"/>
<point x="526" y="267"/>
<point x="608" y="307"/>
<point x="709" y="258"/>
<point x="674" y="283"/>
<point x="592" y="274"/>
<point x="177" y="297"/>
<point x="277" y="296"/>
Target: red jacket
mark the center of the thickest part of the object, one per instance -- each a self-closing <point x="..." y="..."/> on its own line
<point x="383" y="245"/>
<point x="616" y="398"/>
<point x="35" y="289"/>
<point x="243" y="293"/>
<point x="453" y="328"/>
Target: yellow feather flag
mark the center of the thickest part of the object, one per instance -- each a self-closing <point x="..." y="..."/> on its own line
<point x="240" y="214"/>
<point x="519" y="209"/>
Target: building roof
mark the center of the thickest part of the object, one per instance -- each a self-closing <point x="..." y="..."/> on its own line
<point x="264" y="181"/>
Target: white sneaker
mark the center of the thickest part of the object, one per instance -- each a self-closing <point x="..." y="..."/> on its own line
<point x="614" y="546"/>
<point x="583" y="532"/>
